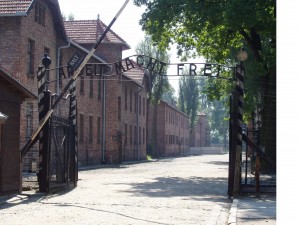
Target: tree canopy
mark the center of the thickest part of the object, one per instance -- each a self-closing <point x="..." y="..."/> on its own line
<point x="217" y="30"/>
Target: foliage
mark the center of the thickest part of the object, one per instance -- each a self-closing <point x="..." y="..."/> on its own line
<point x="170" y="97"/>
<point x="189" y="97"/>
<point x="216" y="111"/>
<point x="159" y="84"/>
<point x="217" y="29"/>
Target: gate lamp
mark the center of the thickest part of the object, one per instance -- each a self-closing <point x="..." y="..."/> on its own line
<point x="242" y="55"/>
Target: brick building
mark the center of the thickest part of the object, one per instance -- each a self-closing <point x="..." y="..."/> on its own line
<point x="12" y="94"/>
<point x="173" y="135"/>
<point x="111" y="120"/>
<point x="30" y="28"/>
<point x="200" y="136"/>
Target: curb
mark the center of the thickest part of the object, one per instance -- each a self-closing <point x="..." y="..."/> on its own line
<point x="232" y="213"/>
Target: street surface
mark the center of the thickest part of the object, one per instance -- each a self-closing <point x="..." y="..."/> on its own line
<point x="187" y="190"/>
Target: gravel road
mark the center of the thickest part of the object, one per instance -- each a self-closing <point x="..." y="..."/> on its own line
<point x="186" y="190"/>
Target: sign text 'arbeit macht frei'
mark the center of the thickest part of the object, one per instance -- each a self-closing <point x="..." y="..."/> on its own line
<point x="140" y="61"/>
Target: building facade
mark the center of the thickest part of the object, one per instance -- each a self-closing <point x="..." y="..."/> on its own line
<point x="12" y="95"/>
<point x="200" y="136"/>
<point x="173" y="137"/>
<point x="28" y="29"/>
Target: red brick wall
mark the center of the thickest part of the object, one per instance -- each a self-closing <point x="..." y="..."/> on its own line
<point x="14" y="35"/>
<point x="10" y="151"/>
<point x="173" y="131"/>
<point x="133" y="150"/>
<point x="199" y="137"/>
<point x="15" y="31"/>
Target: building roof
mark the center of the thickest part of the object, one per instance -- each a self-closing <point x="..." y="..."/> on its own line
<point x="173" y="107"/>
<point x="22" y="8"/>
<point x="88" y="31"/>
<point x="201" y="114"/>
<point x="15" y="7"/>
<point x="13" y="84"/>
<point x="136" y="74"/>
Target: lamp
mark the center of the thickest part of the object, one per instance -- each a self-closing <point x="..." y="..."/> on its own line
<point x="242" y="55"/>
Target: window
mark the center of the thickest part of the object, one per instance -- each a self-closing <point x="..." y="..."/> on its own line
<point x="47" y="51"/>
<point x="31" y="57"/>
<point x="90" y="129"/>
<point x="143" y="135"/>
<point x="82" y="85"/>
<point x="119" y="108"/>
<point x="135" y="102"/>
<point x="135" y="135"/>
<point x="125" y="132"/>
<point x="140" y="104"/>
<point x="91" y="87"/>
<point x="125" y="107"/>
<point x="98" y="130"/>
<point x="99" y="89"/>
<point x="140" y="135"/>
<point x="29" y="120"/>
<point x="166" y="139"/>
<point x="130" y="100"/>
<point x="60" y="81"/>
<point x="39" y="16"/>
<point x="166" y="116"/>
<point x="144" y="106"/>
<point x="130" y="135"/>
<point x="81" y="126"/>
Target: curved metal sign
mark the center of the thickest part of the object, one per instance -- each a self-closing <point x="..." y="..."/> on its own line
<point x="153" y="65"/>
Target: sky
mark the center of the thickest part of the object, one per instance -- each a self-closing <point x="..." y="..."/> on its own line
<point x="126" y="26"/>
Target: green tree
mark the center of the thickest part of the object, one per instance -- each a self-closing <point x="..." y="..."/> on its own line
<point x="170" y="97"/>
<point x="217" y="29"/>
<point x="159" y="85"/>
<point x="189" y="97"/>
<point x="216" y="111"/>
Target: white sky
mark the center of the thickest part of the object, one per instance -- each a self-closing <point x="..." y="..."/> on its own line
<point x="126" y="26"/>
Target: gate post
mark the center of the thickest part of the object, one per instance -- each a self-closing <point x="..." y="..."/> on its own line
<point x="232" y="140"/>
<point x="44" y="105"/>
<point x="238" y="148"/>
<point x="73" y="166"/>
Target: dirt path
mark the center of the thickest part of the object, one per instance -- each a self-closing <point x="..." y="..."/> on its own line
<point x="188" y="190"/>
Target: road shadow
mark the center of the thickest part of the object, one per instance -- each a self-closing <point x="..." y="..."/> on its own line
<point x="200" y="188"/>
<point x="219" y="163"/>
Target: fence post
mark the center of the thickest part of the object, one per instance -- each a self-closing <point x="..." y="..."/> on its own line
<point x="232" y="141"/>
<point x="240" y="92"/>
<point x="73" y="144"/>
<point x="44" y="105"/>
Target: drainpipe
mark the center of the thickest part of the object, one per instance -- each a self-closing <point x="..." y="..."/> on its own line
<point x="58" y="65"/>
<point x="103" y="144"/>
<point x="137" y="121"/>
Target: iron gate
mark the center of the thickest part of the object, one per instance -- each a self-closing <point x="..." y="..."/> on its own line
<point x="61" y="155"/>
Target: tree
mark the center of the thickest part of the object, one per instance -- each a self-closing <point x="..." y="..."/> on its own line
<point x="170" y="97"/>
<point x="189" y="97"/>
<point x="217" y="112"/>
<point x="217" y="29"/>
<point x="159" y="85"/>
